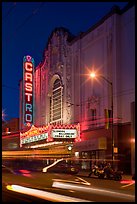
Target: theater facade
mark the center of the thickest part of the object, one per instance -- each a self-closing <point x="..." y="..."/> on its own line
<point x="60" y="102"/>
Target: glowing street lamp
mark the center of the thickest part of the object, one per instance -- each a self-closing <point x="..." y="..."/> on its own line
<point x="93" y="75"/>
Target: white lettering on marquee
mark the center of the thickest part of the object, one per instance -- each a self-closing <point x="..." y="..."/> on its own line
<point x="64" y="133"/>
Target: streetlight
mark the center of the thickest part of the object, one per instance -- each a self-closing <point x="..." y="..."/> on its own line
<point x="93" y="75"/>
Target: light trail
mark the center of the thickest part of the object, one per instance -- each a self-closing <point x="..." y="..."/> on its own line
<point x="44" y="194"/>
<point x="64" y="153"/>
<point x="47" y="167"/>
<point x="82" y="181"/>
<point x="129" y="183"/>
<point x="92" y="190"/>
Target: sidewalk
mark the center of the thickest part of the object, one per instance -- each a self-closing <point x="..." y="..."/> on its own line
<point x="86" y="173"/>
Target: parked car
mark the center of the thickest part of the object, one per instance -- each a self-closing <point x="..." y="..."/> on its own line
<point x="62" y="166"/>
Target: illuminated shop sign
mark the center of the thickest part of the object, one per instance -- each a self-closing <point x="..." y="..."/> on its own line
<point x="28" y="72"/>
<point x="34" y="138"/>
<point x="64" y="133"/>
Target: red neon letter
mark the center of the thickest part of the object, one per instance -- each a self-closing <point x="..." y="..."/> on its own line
<point x="28" y="66"/>
<point x="28" y="96"/>
<point x="28" y="76"/>
<point x="28" y="87"/>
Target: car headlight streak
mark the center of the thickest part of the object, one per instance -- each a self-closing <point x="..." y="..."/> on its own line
<point x="44" y="194"/>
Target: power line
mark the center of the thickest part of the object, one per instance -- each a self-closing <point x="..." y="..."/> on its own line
<point x="120" y="93"/>
<point x="10" y="10"/>
<point x="30" y="16"/>
<point x="35" y="11"/>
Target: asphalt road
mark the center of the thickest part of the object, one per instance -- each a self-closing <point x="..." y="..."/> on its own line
<point x="76" y="187"/>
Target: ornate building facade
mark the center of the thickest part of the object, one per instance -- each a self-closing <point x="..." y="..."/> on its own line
<point x="65" y="93"/>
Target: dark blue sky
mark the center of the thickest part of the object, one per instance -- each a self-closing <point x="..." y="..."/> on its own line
<point x="25" y="31"/>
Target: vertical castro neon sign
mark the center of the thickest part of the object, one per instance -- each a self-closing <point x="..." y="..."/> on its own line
<point x="28" y="89"/>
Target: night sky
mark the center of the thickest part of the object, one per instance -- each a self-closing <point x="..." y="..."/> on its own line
<point x="26" y="28"/>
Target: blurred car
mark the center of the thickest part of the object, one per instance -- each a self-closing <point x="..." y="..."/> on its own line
<point x="62" y="166"/>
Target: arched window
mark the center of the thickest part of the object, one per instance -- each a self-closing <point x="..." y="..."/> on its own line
<point x="56" y="103"/>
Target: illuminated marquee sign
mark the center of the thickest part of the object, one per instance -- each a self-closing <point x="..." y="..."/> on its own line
<point x="28" y="71"/>
<point x="64" y="133"/>
<point x="34" y="134"/>
<point x="34" y="138"/>
<point x="50" y="132"/>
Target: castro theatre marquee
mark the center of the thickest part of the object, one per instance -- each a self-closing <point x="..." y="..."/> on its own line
<point x="49" y="133"/>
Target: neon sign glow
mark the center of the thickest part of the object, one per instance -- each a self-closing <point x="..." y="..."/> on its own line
<point x="50" y="133"/>
<point x="34" y="138"/>
<point x="28" y="71"/>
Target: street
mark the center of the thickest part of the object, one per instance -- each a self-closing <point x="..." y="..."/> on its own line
<point x="74" y="186"/>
